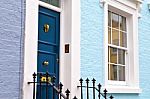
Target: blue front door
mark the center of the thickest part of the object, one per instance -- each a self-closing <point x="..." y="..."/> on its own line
<point x="48" y="48"/>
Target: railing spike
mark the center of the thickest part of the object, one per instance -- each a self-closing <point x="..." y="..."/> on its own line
<point x="99" y="85"/>
<point x="99" y="90"/>
<point x="93" y="80"/>
<point x="87" y="80"/>
<point x="75" y="97"/>
<point x="111" y="97"/>
<point x="34" y="75"/>
<point x="105" y="93"/>
<point x="67" y="93"/>
<point x="81" y="80"/>
<point x="60" y="87"/>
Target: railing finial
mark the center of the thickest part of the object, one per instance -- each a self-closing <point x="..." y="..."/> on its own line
<point x="67" y="93"/>
<point x="111" y="97"/>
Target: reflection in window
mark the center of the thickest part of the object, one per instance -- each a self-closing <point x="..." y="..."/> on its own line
<point x="117" y="45"/>
<point x="52" y="2"/>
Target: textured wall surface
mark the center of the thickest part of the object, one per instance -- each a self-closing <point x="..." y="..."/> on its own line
<point x="92" y="40"/>
<point x="11" y="41"/>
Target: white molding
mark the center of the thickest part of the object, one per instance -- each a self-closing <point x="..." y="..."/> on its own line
<point x="135" y="4"/>
<point x="132" y="78"/>
<point x="30" y="54"/>
<point x="122" y="89"/>
<point x="69" y="34"/>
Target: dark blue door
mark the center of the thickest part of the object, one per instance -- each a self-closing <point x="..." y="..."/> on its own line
<point x="48" y="48"/>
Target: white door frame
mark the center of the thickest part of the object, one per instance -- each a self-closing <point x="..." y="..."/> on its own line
<point x="69" y="34"/>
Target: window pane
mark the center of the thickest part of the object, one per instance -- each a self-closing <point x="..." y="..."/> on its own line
<point x="115" y="37"/>
<point x="52" y="2"/>
<point x="55" y="2"/>
<point x="122" y="23"/>
<point x="115" y="21"/>
<point x="112" y="72"/>
<point x="121" y="73"/>
<point x="121" y="56"/>
<point x="108" y="53"/>
<point x="47" y="1"/>
<point x="113" y="55"/>
<point x="109" y="18"/>
<point x="109" y="35"/>
<point x="123" y="39"/>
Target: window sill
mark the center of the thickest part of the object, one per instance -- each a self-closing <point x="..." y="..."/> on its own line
<point x="122" y="89"/>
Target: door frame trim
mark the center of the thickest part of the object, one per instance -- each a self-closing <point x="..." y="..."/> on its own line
<point x="69" y="34"/>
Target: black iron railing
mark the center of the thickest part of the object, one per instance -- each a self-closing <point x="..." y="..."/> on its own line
<point x="47" y="80"/>
<point x="101" y="95"/>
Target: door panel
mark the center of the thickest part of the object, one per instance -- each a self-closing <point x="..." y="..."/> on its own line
<point x="48" y="48"/>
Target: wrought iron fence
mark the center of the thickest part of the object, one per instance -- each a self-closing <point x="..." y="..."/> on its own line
<point x="48" y="81"/>
<point x="101" y="95"/>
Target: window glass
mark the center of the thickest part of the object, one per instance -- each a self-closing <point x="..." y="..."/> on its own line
<point x="52" y="2"/>
<point x="109" y="18"/>
<point x="112" y="72"/>
<point x="113" y="55"/>
<point x="109" y="35"/>
<point x="121" y="57"/>
<point x="122" y="23"/>
<point x="117" y="43"/>
<point x="121" y="73"/>
<point x="115" y="21"/>
<point x="115" y="37"/>
<point x="123" y="39"/>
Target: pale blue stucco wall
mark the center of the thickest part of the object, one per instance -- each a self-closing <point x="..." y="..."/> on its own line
<point x="92" y="48"/>
<point x="11" y="48"/>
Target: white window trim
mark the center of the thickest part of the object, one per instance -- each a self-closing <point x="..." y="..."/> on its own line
<point x="132" y="82"/>
<point x="69" y="34"/>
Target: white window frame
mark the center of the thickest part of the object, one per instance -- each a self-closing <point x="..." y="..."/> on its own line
<point x="69" y="34"/>
<point x="128" y="9"/>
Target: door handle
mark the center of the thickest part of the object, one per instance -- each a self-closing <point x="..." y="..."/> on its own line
<point x="46" y="28"/>
<point x="45" y="63"/>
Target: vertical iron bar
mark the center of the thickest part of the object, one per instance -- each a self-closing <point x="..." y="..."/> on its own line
<point x="67" y="93"/>
<point x="34" y="77"/>
<point x="93" y="88"/>
<point x="40" y="85"/>
<point x="60" y="88"/>
<point x="46" y="85"/>
<point x="99" y="91"/>
<point x="81" y="81"/>
<point x="53" y="82"/>
<point x="105" y="93"/>
<point x="87" y="82"/>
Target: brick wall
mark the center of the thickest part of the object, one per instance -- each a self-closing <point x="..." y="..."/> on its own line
<point x="11" y="47"/>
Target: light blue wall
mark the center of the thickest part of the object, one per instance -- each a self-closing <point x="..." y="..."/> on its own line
<point x="11" y="41"/>
<point x="92" y="40"/>
<point x="144" y="47"/>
